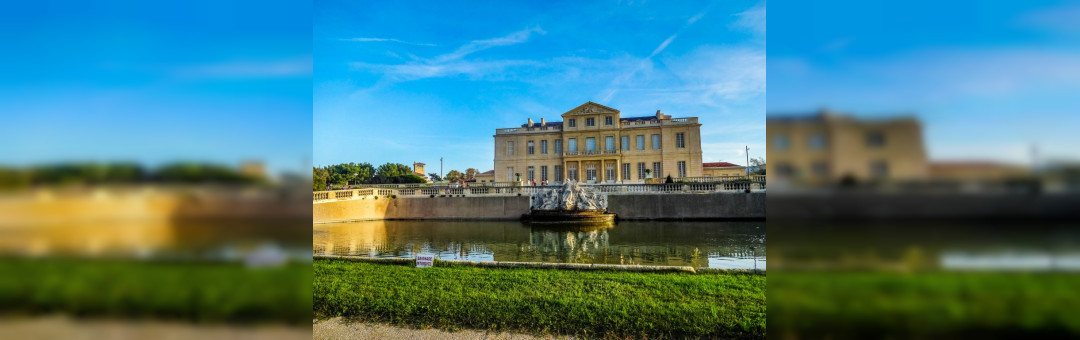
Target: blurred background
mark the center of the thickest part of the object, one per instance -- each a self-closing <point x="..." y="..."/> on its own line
<point x="150" y="155"/>
<point x="924" y="168"/>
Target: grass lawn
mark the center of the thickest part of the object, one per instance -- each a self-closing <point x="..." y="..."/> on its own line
<point x="190" y="291"/>
<point x="543" y="301"/>
<point x="935" y="304"/>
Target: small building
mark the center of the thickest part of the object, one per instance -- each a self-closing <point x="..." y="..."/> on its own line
<point x="976" y="170"/>
<point x="722" y="170"/>
<point x="485" y="177"/>
<point x="418" y="169"/>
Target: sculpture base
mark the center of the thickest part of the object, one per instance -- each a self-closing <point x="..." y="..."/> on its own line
<point x="564" y="216"/>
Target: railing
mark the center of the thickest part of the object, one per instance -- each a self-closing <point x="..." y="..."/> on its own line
<point x="528" y="129"/>
<point x="591" y="152"/>
<point x="483" y="190"/>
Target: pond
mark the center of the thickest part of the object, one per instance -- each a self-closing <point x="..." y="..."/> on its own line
<point x="728" y="245"/>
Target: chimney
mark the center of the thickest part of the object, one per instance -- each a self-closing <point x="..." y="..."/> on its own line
<point x="659" y="115"/>
<point x="530" y="122"/>
<point x="542" y="121"/>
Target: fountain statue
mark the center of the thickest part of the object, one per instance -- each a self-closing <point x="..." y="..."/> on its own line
<point x="569" y="202"/>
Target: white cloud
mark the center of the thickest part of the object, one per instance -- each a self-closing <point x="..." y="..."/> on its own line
<point x="752" y="20"/>
<point x="454" y="64"/>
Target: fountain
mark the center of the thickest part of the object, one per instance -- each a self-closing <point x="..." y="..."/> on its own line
<point x="569" y="203"/>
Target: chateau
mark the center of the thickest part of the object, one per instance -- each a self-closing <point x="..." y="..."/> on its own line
<point x="594" y="144"/>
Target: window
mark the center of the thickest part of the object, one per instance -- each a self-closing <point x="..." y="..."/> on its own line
<point x="531" y="147"/>
<point x="558" y="146"/>
<point x="509" y="148"/>
<point x="609" y="172"/>
<point x="680" y="140"/>
<point x="531" y="174"/>
<point x="558" y="173"/>
<point x="625" y="170"/>
<point x="656" y="170"/>
<point x="682" y="169"/>
<point x="590" y="144"/>
<point x="590" y="172"/>
<point x="875" y="139"/>
<point x="820" y="169"/>
<point x="640" y="142"/>
<point x="817" y="141"/>
<point x="641" y="170"/>
<point x="656" y="142"/>
<point x="572" y="172"/>
<point x="543" y="173"/>
<point x="785" y="170"/>
<point x="781" y="142"/>
<point x="510" y="174"/>
<point x="625" y="143"/>
<point x="572" y="144"/>
<point x="590" y="121"/>
<point x="607" y="120"/>
<point x="879" y="169"/>
<point x="609" y="143"/>
<point x="573" y="122"/>
<point x="543" y="146"/>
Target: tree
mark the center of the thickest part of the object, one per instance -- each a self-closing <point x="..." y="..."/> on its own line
<point x="319" y="176"/>
<point x="434" y="177"/>
<point x="454" y="176"/>
<point x="391" y="173"/>
<point x="470" y="174"/>
<point x="669" y="180"/>
<point x="759" y="164"/>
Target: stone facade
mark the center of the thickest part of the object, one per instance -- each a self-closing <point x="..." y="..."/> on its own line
<point x="594" y="144"/>
<point x="828" y="147"/>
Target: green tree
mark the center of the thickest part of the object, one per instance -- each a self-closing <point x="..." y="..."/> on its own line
<point x="470" y="174"/>
<point x="434" y="177"/>
<point x="454" y="176"/>
<point x="758" y="163"/>
<point x="319" y="177"/>
<point x="392" y="173"/>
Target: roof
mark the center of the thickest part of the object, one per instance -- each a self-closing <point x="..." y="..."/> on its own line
<point x="537" y="124"/>
<point x="634" y="119"/>
<point x="718" y="165"/>
<point x="489" y="172"/>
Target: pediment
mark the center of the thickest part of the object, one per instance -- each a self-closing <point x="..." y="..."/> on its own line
<point x="589" y="108"/>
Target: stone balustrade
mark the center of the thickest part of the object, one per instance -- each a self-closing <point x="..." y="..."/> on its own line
<point x="511" y="190"/>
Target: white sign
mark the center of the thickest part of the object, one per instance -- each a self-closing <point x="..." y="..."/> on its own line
<point x="424" y="261"/>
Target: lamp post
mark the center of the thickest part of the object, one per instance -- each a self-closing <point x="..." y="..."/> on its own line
<point x="748" y="161"/>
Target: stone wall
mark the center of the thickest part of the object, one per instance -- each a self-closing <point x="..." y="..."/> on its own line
<point x="643" y="207"/>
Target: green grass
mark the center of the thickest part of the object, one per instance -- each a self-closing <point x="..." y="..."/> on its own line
<point x="851" y="304"/>
<point x="543" y="301"/>
<point x="199" y="292"/>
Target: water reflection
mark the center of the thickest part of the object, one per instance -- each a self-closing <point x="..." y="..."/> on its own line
<point x="926" y="245"/>
<point x="698" y="244"/>
<point x="207" y="239"/>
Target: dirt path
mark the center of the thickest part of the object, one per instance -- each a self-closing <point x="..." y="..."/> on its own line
<point x="336" y="328"/>
<point x="63" y="327"/>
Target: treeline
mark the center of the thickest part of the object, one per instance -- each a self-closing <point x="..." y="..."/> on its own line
<point x="343" y="174"/>
<point x="363" y="173"/>
<point x="120" y="173"/>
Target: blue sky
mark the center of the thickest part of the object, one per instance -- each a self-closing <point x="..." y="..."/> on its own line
<point x="404" y="82"/>
<point x="156" y="82"/>
<point x="989" y="79"/>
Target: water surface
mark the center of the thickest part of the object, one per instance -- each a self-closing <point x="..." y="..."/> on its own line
<point x="698" y="244"/>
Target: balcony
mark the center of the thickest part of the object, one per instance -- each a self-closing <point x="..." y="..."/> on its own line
<point x="540" y="129"/>
<point x="591" y="153"/>
<point x="665" y="122"/>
